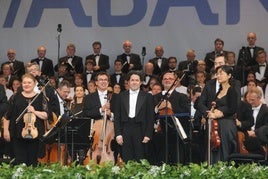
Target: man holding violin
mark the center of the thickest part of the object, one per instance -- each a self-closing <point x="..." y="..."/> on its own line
<point x="166" y="105"/>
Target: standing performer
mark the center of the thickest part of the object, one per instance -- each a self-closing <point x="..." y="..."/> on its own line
<point x="24" y="124"/>
<point x="134" y="118"/>
<point x="226" y="106"/>
<point x="98" y="106"/>
<point x="177" y="103"/>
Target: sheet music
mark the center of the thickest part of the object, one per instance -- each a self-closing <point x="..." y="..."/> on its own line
<point x="179" y="128"/>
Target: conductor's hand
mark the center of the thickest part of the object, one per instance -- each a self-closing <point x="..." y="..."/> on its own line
<point x="145" y="139"/>
<point x="119" y="139"/>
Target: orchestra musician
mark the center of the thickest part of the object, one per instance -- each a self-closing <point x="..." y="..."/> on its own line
<point x="78" y="102"/>
<point x="99" y="105"/>
<point x="226" y="107"/>
<point x="26" y="112"/>
<point x="178" y="103"/>
<point x="134" y="118"/>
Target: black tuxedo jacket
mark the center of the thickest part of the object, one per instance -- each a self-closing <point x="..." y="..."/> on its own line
<point x="210" y="58"/>
<point x="134" y="59"/>
<point x="262" y="117"/>
<point x="144" y="112"/>
<point x="164" y="66"/>
<point x="92" y="105"/>
<point x="18" y="68"/>
<point x="121" y="81"/>
<point x="47" y="66"/>
<point x="77" y="64"/>
<point x="85" y="82"/>
<point x="209" y="94"/>
<point x="179" y="101"/>
<point x="244" y="56"/>
<point x="103" y="62"/>
<point x="3" y="101"/>
<point x="245" y="116"/>
<point x="256" y="68"/>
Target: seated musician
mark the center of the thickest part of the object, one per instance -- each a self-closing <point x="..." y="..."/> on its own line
<point x="260" y="115"/>
<point x="177" y="103"/>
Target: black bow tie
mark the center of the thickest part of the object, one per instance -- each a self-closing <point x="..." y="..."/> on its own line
<point x="251" y="47"/>
<point x="97" y="55"/>
<point x="41" y="59"/>
<point x="128" y="55"/>
<point x="89" y="72"/>
<point x="261" y="65"/>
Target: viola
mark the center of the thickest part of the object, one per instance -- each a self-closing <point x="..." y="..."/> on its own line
<point x="241" y="140"/>
<point x="162" y="112"/>
<point x="29" y="131"/>
<point x="215" y="138"/>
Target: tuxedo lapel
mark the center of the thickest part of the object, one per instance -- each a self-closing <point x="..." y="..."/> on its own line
<point x="140" y="99"/>
<point x="126" y="101"/>
<point x="260" y="114"/>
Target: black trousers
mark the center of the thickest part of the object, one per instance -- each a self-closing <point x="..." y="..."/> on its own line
<point x="132" y="148"/>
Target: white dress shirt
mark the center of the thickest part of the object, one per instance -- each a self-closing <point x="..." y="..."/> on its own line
<point x="133" y="96"/>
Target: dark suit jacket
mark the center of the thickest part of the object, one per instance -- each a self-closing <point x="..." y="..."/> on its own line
<point x="103" y="62"/>
<point x="47" y="66"/>
<point x="209" y="94"/>
<point x="134" y="59"/>
<point x="144" y="112"/>
<point x="3" y="101"/>
<point x="121" y="81"/>
<point x="164" y="66"/>
<point x="18" y="68"/>
<point x="85" y="82"/>
<point x="92" y="105"/>
<point x="244" y="57"/>
<point x="210" y="58"/>
<point x="77" y="64"/>
<point x="262" y="117"/>
<point x="245" y="116"/>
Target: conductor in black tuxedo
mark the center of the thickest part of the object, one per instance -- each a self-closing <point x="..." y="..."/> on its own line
<point x="134" y="118"/>
<point x="74" y="63"/>
<point x="45" y="64"/>
<point x="131" y="61"/>
<point x="177" y="103"/>
<point x="17" y="66"/>
<point x="160" y="62"/>
<point x="101" y="61"/>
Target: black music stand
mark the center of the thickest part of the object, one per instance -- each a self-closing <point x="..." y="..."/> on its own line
<point x="49" y="137"/>
<point x="78" y="132"/>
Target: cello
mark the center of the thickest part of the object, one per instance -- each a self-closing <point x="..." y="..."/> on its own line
<point x="103" y="134"/>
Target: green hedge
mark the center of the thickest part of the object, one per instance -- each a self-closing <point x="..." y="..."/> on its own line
<point x="134" y="170"/>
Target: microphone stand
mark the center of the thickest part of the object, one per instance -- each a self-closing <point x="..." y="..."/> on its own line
<point x="165" y="97"/>
<point x="59" y="30"/>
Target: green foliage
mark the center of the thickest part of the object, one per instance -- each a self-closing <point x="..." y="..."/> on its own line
<point x="134" y="170"/>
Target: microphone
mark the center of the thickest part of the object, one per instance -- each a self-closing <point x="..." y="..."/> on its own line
<point x="143" y="51"/>
<point x="59" y="29"/>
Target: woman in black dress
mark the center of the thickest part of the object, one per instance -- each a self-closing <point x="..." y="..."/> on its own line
<point x="25" y="122"/>
<point x="226" y="106"/>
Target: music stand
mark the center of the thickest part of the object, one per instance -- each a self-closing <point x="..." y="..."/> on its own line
<point x="49" y="136"/>
<point x="78" y="131"/>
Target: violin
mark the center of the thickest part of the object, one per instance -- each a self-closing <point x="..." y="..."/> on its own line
<point x="215" y="138"/>
<point x="162" y="112"/>
<point x="29" y="131"/>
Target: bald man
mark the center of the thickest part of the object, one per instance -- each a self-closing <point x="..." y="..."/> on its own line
<point x="45" y="64"/>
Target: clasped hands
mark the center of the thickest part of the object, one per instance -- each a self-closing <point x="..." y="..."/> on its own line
<point x="215" y="114"/>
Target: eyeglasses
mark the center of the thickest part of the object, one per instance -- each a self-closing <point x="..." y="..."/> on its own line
<point x="103" y="79"/>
